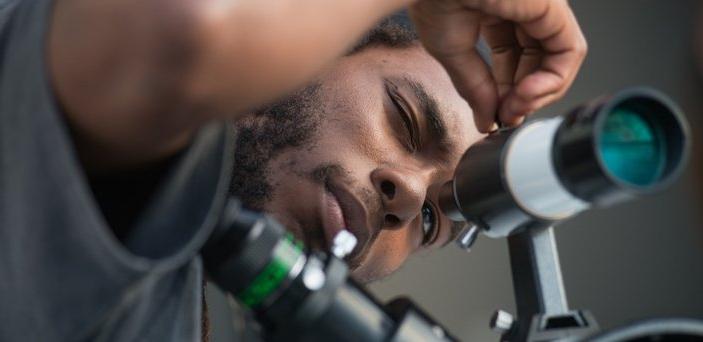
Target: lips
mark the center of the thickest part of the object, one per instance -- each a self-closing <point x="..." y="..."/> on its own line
<point x="332" y="217"/>
<point x="353" y="216"/>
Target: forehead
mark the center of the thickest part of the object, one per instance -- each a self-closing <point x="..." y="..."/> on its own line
<point x="369" y="68"/>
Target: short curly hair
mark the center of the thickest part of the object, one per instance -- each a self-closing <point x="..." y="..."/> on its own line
<point x="395" y="31"/>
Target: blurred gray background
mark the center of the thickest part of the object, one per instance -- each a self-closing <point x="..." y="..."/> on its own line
<point x="636" y="260"/>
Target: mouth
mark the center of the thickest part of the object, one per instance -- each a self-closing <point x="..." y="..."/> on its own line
<point x="342" y="210"/>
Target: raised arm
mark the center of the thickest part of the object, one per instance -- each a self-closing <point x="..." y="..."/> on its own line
<point x="135" y="77"/>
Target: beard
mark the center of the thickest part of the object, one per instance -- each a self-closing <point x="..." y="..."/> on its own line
<point x="292" y="122"/>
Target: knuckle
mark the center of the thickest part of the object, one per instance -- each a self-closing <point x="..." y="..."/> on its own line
<point x="581" y="47"/>
<point x="506" y="49"/>
<point x="530" y="107"/>
<point x="532" y="51"/>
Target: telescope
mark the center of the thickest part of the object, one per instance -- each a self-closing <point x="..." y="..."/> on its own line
<point x="519" y="182"/>
<point x="516" y="183"/>
<point x="607" y="151"/>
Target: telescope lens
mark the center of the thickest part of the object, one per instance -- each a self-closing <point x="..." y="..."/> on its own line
<point x="632" y="147"/>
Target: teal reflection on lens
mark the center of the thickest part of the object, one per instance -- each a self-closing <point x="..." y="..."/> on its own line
<point x="631" y="148"/>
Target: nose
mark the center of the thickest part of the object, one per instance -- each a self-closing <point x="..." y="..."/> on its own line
<point x="403" y="193"/>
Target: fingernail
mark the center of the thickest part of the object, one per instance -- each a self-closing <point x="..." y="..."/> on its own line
<point x="509" y="112"/>
<point x="517" y="121"/>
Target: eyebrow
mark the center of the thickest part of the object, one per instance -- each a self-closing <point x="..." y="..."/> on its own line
<point x="429" y="106"/>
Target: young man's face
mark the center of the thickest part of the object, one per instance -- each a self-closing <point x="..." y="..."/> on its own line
<point x="366" y="148"/>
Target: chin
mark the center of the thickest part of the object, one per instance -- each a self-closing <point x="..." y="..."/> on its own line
<point x="365" y="275"/>
<point x="361" y="278"/>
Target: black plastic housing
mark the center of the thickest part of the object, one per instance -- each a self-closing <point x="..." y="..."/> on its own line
<point x="577" y="156"/>
<point x="479" y="192"/>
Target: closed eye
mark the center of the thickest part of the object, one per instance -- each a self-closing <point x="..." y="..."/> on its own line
<point x="410" y="125"/>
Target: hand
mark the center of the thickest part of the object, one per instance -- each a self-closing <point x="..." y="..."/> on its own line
<point x="536" y="47"/>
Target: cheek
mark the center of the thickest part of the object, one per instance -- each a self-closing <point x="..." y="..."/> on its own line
<point x="355" y="120"/>
<point x="387" y="254"/>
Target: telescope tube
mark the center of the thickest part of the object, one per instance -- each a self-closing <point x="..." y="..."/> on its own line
<point x="601" y="153"/>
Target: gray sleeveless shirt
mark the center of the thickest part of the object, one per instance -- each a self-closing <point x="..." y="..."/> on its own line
<point x="63" y="274"/>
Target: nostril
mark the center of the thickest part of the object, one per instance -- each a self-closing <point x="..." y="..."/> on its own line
<point x="388" y="189"/>
<point x="391" y="221"/>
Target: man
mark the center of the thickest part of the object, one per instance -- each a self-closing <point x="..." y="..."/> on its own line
<point x="112" y="178"/>
<point x="365" y="147"/>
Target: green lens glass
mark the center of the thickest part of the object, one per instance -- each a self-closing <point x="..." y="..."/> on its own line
<point x="632" y="148"/>
<point x="285" y="255"/>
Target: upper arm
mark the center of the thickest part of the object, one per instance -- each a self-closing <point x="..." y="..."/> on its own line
<point x="119" y="70"/>
<point x="137" y="77"/>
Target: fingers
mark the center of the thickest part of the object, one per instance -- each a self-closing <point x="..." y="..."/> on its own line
<point x="514" y="56"/>
<point x="553" y="49"/>
<point x="505" y="52"/>
<point x="450" y="36"/>
<point x="537" y="49"/>
<point x="561" y="51"/>
<point x="514" y="107"/>
<point x="544" y="52"/>
<point x="474" y="81"/>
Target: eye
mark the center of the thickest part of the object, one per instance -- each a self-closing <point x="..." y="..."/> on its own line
<point x="429" y="224"/>
<point x="412" y="141"/>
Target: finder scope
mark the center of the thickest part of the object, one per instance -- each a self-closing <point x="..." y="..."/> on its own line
<point x="603" y="152"/>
